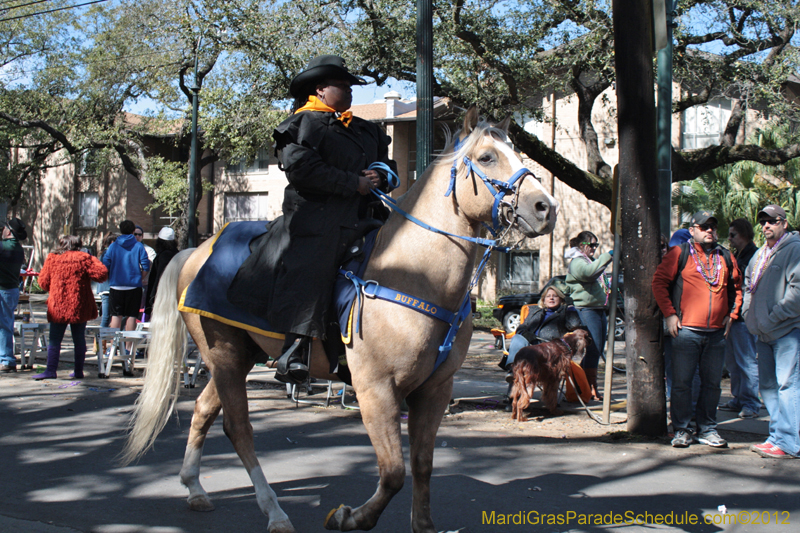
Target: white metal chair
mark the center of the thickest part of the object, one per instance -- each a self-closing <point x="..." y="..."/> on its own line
<point x="99" y="335"/>
<point x="38" y="344"/>
<point x="137" y="338"/>
<point x="191" y="371"/>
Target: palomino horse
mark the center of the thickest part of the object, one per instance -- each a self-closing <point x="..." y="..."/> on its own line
<point x="390" y="360"/>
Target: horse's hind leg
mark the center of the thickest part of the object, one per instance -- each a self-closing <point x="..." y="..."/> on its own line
<point x="236" y="424"/>
<point x="228" y="353"/>
<point x="426" y="408"/>
<point x="206" y="409"/>
<point x="380" y="411"/>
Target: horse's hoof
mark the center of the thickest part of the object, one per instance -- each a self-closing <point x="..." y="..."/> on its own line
<point x="200" y="503"/>
<point x="337" y="517"/>
<point x="284" y="526"/>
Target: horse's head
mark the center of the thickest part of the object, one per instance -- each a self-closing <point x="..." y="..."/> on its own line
<point x="510" y="194"/>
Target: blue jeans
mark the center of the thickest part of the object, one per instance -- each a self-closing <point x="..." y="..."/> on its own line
<point x="779" y="380"/>
<point x="8" y="302"/>
<point x="692" y="349"/>
<point x="740" y="358"/>
<point x="596" y="322"/>
<point x="668" y="373"/>
<point x="517" y="343"/>
<point x="78" y="335"/>
<point x="105" y="319"/>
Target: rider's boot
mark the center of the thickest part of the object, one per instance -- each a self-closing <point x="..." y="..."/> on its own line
<point x="292" y="365"/>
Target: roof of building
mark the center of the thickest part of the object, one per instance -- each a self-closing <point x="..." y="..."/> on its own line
<point x="377" y="111"/>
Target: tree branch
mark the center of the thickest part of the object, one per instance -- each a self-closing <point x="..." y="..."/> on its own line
<point x="586" y="98"/>
<point x="44" y="126"/>
<point x="592" y="186"/>
<point x="688" y="165"/>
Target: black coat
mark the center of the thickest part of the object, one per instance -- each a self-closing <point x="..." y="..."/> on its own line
<point x="564" y="320"/>
<point x="289" y="276"/>
<point x="159" y="265"/>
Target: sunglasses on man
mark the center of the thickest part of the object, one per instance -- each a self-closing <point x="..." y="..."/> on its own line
<point x="706" y="227"/>
<point x="770" y="221"/>
<point x="138" y="234"/>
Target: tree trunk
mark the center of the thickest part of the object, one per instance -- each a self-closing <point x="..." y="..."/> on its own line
<point x="640" y="216"/>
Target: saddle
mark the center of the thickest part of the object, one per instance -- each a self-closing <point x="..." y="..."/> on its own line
<point x="206" y="295"/>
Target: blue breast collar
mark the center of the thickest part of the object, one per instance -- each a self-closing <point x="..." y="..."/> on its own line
<point x="371" y="289"/>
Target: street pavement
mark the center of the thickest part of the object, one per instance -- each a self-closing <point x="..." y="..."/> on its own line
<point x="60" y="439"/>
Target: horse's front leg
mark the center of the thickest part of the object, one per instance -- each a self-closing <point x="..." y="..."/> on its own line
<point x="380" y="411"/>
<point x="426" y="408"/>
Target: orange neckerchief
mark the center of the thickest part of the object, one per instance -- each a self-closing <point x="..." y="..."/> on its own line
<point x="315" y="104"/>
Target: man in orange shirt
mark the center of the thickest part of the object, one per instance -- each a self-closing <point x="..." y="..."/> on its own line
<point x="698" y="289"/>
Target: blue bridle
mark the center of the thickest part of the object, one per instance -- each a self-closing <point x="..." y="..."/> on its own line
<point x="499" y="190"/>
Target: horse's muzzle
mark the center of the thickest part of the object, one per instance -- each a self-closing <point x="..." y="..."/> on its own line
<point x="537" y="215"/>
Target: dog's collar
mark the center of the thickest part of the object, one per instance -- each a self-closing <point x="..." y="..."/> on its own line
<point x="567" y="345"/>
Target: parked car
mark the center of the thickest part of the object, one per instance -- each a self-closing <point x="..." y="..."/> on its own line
<point x="509" y="307"/>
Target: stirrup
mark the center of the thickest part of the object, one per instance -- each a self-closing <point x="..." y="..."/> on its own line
<point x="290" y="367"/>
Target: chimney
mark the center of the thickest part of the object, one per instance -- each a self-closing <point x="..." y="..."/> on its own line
<point x="391" y="97"/>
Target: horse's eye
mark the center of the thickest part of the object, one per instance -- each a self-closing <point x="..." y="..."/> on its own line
<point x="486" y="159"/>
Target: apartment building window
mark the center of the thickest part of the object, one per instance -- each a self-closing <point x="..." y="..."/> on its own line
<point x="520" y="271"/>
<point x="703" y="124"/>
<point x="90" y="163"/>
<point x="87" y="209"/>
<point x="246" y="206"/>
<point x="259" y="164"/>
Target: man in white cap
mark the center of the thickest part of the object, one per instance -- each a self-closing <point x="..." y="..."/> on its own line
<point x="166" y="248"/>
<point x="772" y="313"/>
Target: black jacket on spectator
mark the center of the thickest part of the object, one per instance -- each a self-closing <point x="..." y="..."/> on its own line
<point x="159" y="265"/>
<point x="558" y="324"/>
<point x="290" y="273"/>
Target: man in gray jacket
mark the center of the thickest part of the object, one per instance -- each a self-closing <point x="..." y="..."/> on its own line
<point x="772" y="313"/>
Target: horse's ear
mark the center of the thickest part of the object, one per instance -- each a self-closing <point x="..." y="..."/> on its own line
<point x="471" y="119"/>
<point x="506" y="122"/>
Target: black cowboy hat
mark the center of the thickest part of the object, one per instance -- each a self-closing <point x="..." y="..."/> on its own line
<point x="17" y="228"/>
<point x="320" y="68"/>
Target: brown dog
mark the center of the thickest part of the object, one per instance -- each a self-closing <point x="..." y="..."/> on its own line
<point x="545" y="365"/>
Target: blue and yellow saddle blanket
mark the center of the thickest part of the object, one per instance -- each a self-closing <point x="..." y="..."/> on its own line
<point x="206" y="294"/>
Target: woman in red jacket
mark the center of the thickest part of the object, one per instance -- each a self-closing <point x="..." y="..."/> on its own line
<point x="67" y="275"/>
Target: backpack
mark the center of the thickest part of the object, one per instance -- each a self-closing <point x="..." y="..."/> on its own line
<point x="676" y="287"/>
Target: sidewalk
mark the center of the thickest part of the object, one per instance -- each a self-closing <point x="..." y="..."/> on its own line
<point x="491" y="386"/>
<point x="486" y="387"/>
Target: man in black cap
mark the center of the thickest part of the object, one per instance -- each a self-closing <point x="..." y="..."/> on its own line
<point x="325" y="152"/>
<point x="697" y="287"/>
<point x="772" y="314"/>
<point x="12" y="258"/>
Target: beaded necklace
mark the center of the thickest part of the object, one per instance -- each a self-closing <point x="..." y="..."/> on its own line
<point x="711" y="272"/>
<point x="762" y="260"/>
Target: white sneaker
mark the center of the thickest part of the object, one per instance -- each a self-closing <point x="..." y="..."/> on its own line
<point x="747" y="413"/>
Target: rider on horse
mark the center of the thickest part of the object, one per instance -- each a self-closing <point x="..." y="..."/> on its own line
<point x="325" y="152"/>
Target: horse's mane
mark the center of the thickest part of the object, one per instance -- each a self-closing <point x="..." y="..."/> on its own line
<point x="467" y="145"/>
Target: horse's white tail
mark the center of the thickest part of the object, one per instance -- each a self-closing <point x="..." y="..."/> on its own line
<point x="164" y="358"/>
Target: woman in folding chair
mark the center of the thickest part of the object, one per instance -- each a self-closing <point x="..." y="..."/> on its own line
<point x="551" y="319"/>
<point x="67" y="275"/>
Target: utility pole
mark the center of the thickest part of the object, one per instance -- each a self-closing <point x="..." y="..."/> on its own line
<point x="193" y="171"/>
<point x="639" y="213"/>
<point x="664" y="70"/>
<point x="424" y="85"/>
